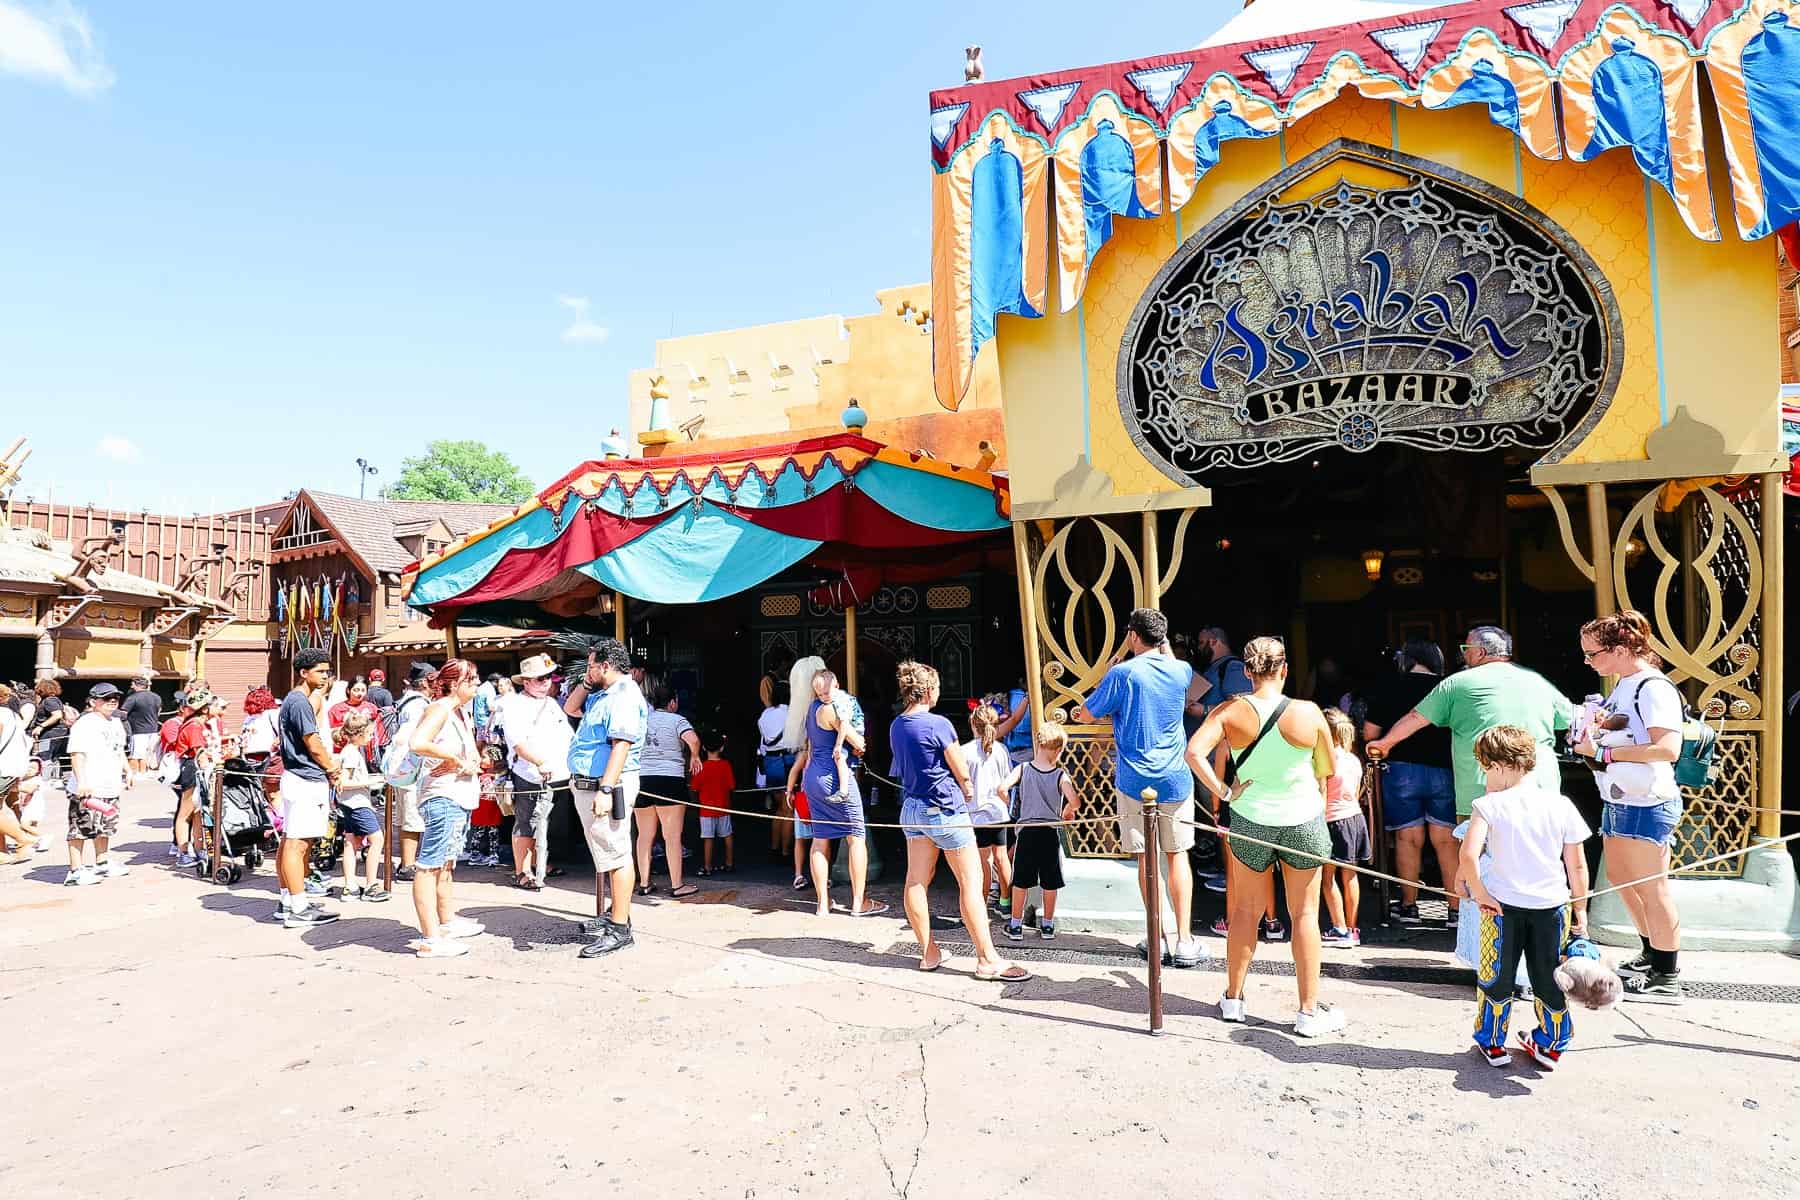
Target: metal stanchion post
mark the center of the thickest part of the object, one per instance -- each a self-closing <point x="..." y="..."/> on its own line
<point x="1153" y="909"/>
<point x="1384" y="862"/>
<point x="218" y="823"/>
<point x="390" y="796"/>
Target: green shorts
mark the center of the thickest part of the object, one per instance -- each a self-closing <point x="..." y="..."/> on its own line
<point x="1310" y="839"/>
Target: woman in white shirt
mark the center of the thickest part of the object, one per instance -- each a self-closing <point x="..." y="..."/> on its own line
<point x="259" y="738"/>
<point x="449" y="790"/>
<point x="989" y="764"/>
<point x="15" y="755"/>
<point x="671" y="753"/>
<point x="1643" y="803"/>
<point x="774" y="759"/>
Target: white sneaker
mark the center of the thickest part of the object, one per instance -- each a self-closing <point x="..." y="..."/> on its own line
<point x="461" y="927"/>
<point x="174" y="850"/>
<point x="1231" y="1010"/>
<point x="81" y="877"/>
<point x="438" y="948"/>
<point x="1189" y="953"/>
<point x="43" y="845"/>
<point x="113" y="870"/>
<point x="1321" y="1022"/>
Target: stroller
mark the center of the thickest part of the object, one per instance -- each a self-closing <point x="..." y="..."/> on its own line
<point x="244" y="830"/>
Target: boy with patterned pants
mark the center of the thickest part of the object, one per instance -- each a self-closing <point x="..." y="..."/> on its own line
<point x="1537" y="871"/>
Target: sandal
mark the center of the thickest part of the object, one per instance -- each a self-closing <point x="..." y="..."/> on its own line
<point x="530" y="884"/>
<point x="1012" y="974"/>
<point x="645" y="889"/>
<point x="799" y="883"/>
<point x="870" y="908"/>
<point x="705" y="872"/>
<point x="684" y="891"/>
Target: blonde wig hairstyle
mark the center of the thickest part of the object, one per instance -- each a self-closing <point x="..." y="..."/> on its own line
<point x="799" y="693"/>
<point x="916" y="682"/>
<point x="1264" y="657"/>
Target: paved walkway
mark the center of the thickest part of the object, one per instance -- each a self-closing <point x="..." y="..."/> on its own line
<point x="171" y="1041"/>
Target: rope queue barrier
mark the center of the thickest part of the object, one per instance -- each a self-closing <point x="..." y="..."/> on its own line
<point x="1150" y="876"/>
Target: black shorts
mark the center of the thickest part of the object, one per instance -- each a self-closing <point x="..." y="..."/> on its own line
<point x="1350" y="839"/>
<point x="990" y="835"/>
<point x="189" y="777"/>
<point x="1038" y="862"/>
<point x="671" y="786"/>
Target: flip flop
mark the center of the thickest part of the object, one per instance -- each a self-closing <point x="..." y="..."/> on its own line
<point x="942" y="959"/>
<point x="800" y="883"/>
<point x="1012" y="974"/>
<point x="875" y="909"/>
<point x="684" y="891"/>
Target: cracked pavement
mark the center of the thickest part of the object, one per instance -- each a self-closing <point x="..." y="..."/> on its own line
<point x="171" y="1041"/>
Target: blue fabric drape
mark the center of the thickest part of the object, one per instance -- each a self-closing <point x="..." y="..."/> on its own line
<point x="1629" y="111"/>
<point x="1772" y="83"/>
<point x="996" y="241"/>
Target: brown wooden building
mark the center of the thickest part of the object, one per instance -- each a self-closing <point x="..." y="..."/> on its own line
<point x="90" y="593"/>
<point x="336" y="567"/>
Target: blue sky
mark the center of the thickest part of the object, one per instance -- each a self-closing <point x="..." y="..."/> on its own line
<point x="246" y="245"/>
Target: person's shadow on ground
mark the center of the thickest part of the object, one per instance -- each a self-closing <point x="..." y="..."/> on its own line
<point x="1468" y="1073"/>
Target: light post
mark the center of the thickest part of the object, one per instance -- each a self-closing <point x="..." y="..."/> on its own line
<point x="364" y="470"/>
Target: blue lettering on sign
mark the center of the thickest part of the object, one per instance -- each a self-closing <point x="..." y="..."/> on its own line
<point x="1379" y="315"/>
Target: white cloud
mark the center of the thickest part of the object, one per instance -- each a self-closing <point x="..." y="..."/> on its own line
<point x="52" y="42"/>
<point x="118" y="449"/>
<point x="582" y="328"/>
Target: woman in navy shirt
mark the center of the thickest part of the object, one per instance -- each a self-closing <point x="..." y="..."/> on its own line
<point x="935" y="792"/>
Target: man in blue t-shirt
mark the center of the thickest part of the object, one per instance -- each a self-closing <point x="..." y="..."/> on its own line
<point x="603" y="774"/>
<point x="1145" y="695"/>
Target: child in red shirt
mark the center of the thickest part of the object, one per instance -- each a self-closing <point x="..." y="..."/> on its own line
<point x="715" y="783"/>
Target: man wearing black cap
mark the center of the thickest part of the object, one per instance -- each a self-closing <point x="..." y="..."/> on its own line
<point x="97" y="758"/>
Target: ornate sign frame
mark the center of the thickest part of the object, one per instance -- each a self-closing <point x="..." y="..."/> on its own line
<point x="1442" y="313"/>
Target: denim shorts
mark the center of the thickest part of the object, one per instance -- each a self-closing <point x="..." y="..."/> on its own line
<point x="947" y="831"/>
<point x="1645" y="822"/>
<point x="802" y="830"/>
<point x="446" y="825"/>
<point x="1413" y="794"/>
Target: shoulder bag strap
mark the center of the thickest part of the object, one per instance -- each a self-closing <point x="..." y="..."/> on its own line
<point x="1267" y="725"/>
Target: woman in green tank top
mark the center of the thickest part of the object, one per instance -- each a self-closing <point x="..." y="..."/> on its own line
<point x="1281" y="754"/>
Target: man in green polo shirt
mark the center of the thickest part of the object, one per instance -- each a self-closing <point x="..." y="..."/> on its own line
<point x="1493" y="691"/>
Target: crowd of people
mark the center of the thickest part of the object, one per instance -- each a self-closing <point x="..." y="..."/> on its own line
<point x="1469" y="764"/>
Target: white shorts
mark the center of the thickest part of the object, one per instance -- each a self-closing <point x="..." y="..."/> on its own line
<point x="609" y="841"/>
<point x="144" y="748"/>
<point x="303" y="806"/>
<point x="712" y="827"/>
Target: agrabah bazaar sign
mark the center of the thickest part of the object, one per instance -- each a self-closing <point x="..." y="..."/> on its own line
<point x="1438" y="313"/>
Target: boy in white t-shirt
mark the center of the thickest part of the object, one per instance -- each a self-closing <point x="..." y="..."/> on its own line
<point x="1537" y="868"/>
<point x="97" y="755"/>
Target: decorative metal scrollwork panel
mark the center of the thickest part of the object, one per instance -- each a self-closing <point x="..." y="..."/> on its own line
<point x="1722" y="818"/>
<point x="1720" y="657"/>
<point x="1439" y="313"/>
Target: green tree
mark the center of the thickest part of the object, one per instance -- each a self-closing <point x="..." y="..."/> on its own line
<point x="466" y="471"/>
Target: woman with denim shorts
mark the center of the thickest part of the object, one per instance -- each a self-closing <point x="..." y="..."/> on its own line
<point x="1643" y="801"/>
<point x="934" y="795"/>
<point x="1418" y="786"/>
<point x="449" y="790"/>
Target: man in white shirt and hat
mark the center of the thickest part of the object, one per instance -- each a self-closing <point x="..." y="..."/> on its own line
<point x="537" y="735"/>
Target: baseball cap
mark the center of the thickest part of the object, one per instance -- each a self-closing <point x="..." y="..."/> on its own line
<point x="103" y="691"/>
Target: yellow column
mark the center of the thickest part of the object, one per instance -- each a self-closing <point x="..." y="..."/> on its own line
<point x="619" y="615"/>
<point x="1768" y="820"/>
<point x="850" y="648"/>
<point x="1600" y="538"/>
<point x="1152" y="564"/>
<point x="1034" y="667"/>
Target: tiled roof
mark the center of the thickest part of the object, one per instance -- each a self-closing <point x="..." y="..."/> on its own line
<point x="370" y="526"/>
